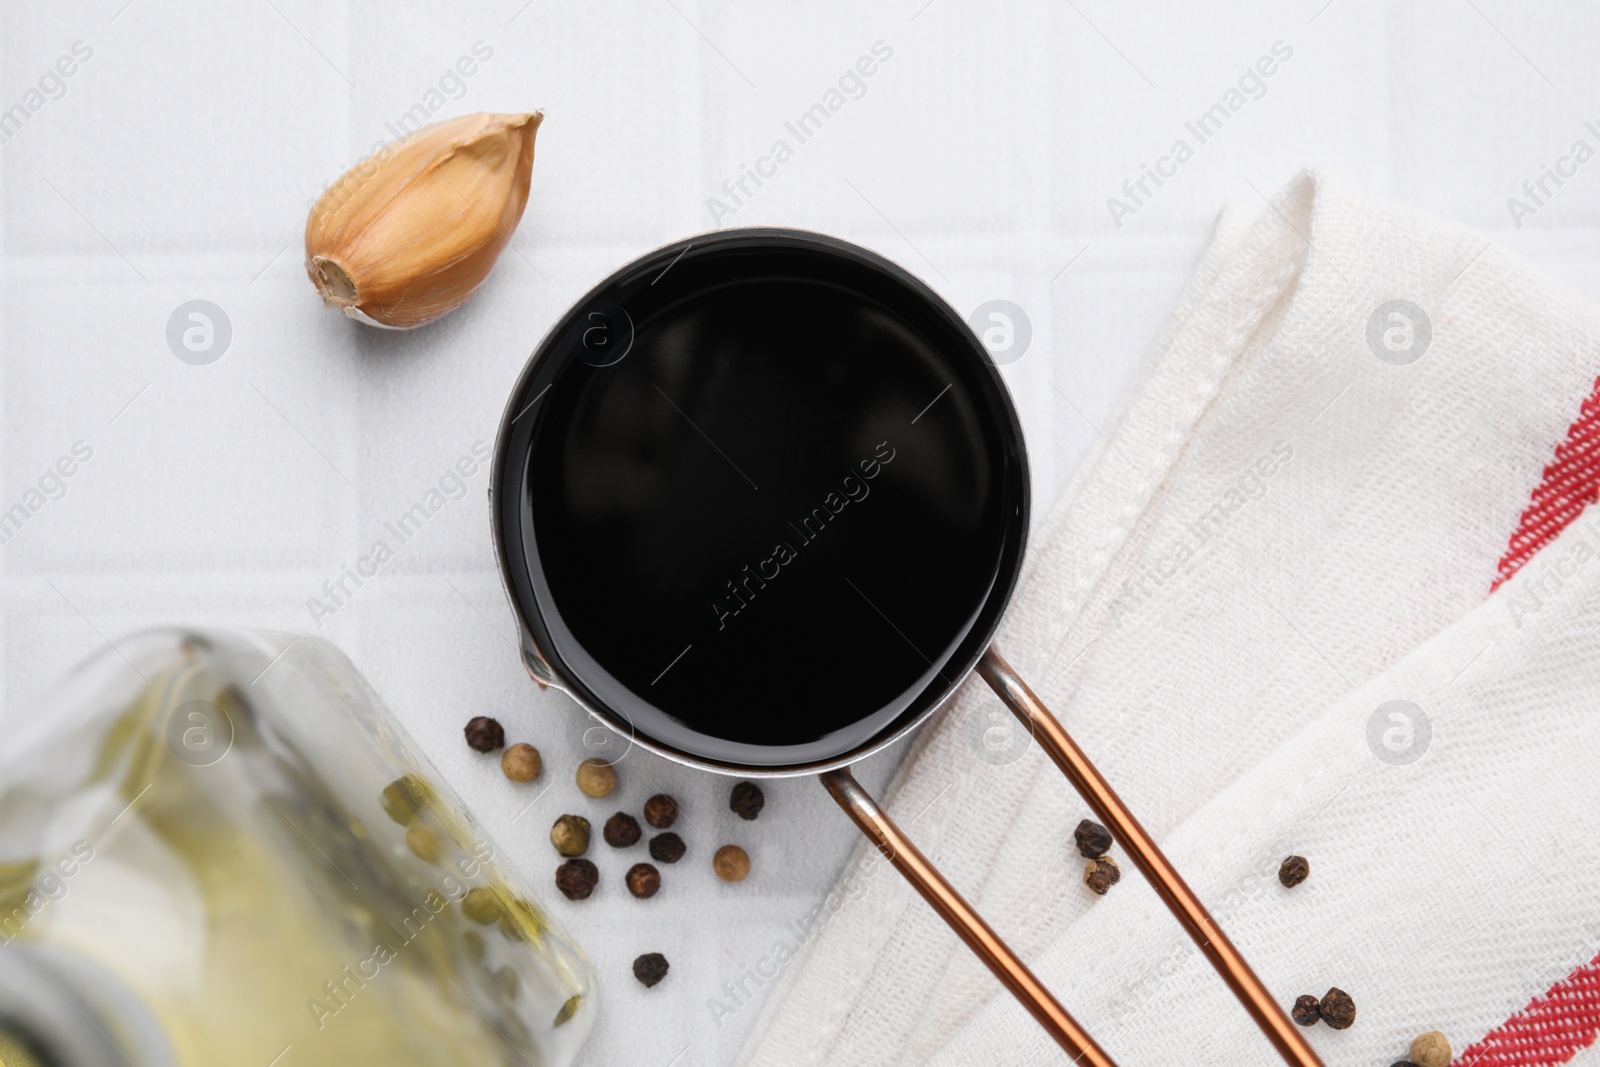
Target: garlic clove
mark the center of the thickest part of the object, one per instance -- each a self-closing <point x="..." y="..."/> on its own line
<point x="407" y="234"/>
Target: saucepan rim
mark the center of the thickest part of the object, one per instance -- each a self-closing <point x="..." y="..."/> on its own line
<point x="504" y="503"/>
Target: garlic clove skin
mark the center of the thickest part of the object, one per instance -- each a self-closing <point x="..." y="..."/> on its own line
<point x="407" y="234"/>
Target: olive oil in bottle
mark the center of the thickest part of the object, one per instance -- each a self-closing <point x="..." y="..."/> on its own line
<point x="222" y="850"/>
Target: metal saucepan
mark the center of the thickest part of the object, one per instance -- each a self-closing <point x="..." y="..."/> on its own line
<point x="759" y="500"/>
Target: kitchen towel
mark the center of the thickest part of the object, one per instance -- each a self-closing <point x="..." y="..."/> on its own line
<point x="1320" y="590"/>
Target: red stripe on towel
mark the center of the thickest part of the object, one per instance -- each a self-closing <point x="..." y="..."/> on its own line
<point x="1564" y="1021"/>
<point x="1551" y="1030"/>
<point x="1571" y="483"/>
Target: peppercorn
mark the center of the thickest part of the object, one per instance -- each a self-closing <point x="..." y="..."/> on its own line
<point x="1402" y="1063"/>
<point x="570" y="835"/>
<point x="481" y="906"/>
<point x="521" y="919"/>
<point x="667" y="848"/>
<point x="650" y="968"/>
<point x="622" y="831"/>
<point x="596" y="778"/>
<point x="423" y="844"/>
<point x="661" y="811"/>
<point x="731" y="863"/>
<point x="1431" y="1050"/>
<point x="404" y="799"/>
<point x="521" y="762"/>
<point x="1092" y="838"/>
<point x="576" y="879"/>
<point x="1101" y="874"/>
<point x="1338" y="1010"/>
<point x="484" y="734"/>
<point x="476" y="949"/>
<point x="508" y="979"/>
<point x="747" y="800"/>
<point x="1293" y="871"/>
<point x="1307" y="1010"/>
<point x="644" y="881"/>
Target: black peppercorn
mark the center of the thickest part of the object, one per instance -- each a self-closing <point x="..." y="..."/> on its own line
<point x="1338" y="1010"/>
<point x="1101" y="874"/>
<point x="485" y="734"/>
<point x="661" y="811"/>
<point x="747" y="800"/>
<point x="622" y="831"/>
<point x="1092" y="838"/>
<point x="650" y="968"/>
<point x="1294" y="871"/>
<point x="1403" y="1063"/>
<point x="666" y="848"/>
<point x="577" y="878"/>
<point x="644" y="881"/>
<point x="1307" y="1010"/>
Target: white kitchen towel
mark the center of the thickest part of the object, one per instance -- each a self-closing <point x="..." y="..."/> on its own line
<point x="1360" y="419"/>
<point x="1451" y="876"/>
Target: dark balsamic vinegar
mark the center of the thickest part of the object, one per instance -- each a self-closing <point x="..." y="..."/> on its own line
<point x="764" y="534"/>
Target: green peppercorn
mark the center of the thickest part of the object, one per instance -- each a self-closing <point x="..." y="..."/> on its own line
<point x="481" y="905"/>
<point x="423" y="844"/>
<point x="476" y="949"/>
<point x="524" y="920"/>
<point x="404" y="798"/>
<point x="570" y="835"/>
<point x="569" y="1009"/>
<point x="508" y="980"/>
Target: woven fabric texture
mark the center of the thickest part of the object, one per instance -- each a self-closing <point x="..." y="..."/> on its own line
<point x="1296" y="521"/>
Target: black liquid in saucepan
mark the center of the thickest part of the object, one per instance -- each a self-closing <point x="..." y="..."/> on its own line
<point x="764" y="533"/>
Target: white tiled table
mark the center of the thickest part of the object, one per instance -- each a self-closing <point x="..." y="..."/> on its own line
<point x="178" y="160"/>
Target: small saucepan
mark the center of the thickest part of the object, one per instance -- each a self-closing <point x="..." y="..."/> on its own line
<point x="759" y="501"/>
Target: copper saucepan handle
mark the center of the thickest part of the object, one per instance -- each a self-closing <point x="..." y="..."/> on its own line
<point x="1164" y="878"/>
<point x="971" y="928"/>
